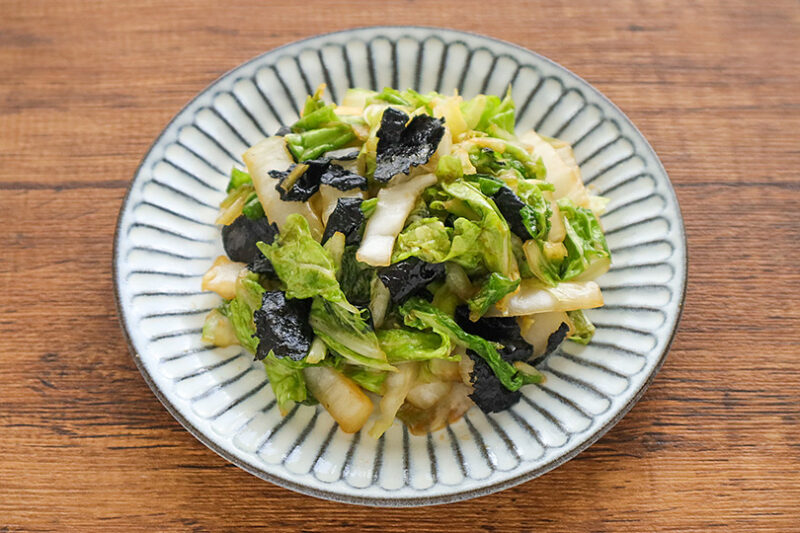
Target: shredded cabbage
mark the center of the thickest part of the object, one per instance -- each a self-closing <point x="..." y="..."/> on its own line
<point x="403" y="184"/>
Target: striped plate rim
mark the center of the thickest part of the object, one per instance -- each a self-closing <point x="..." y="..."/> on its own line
<point x="400" y="32"/>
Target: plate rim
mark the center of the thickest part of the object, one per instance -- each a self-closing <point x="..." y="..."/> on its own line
<point x="414" y="501"/>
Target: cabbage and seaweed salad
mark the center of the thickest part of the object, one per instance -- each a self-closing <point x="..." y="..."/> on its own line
<point x="405" y="255"/>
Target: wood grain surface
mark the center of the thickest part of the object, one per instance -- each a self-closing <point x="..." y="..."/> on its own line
<point x="85" y="87"/>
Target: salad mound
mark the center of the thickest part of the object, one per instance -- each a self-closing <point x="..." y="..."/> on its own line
<point x="405" y="255"/>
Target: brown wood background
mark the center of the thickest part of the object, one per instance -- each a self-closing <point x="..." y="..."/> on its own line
<point x="86" y="86"/>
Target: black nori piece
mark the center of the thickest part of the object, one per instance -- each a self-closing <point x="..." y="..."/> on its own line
<point x="342" y="179"/>
<point x="282" y="326"/>
<point x="305" y="186"/>
<point x="282" y="131"/>
<point x="511" y="206"/>
<point x="240" y="237"/>
<point x="319" y="171"/>
<point x="408" y="277"/>
<point x="402" y="146"/>
<point x="502" y="330"/>
<point x="355" y="277"/>
<point x="488" y="393"/>
<point x="346" y="218"/>
<point x="262" y="265"/>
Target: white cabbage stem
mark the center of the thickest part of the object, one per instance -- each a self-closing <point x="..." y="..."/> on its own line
<point x="564" y="175"/>
<point x="394" y="205"/>
<point x="221" y="277"/>
<point x="380" y="298"/>
<point x="271" y="154"/>
<point x="340" y="396"/>
<point x="536" y="329"/>
<point x="533" y="297"/>
<point x="396" y="386"/>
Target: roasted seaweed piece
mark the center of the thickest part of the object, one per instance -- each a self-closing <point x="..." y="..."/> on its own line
<point x="488" y="391"/>
<point x="355" y="277"/>
<point x="522" y="218"/>
<point x="262" y="265"/>
<point x="409" y="277"/>
<point x="240" y="237"/>
<point x="282" y="326"/>
<point x="515" y="211"/>
<point x="502" y="330"/>
<point x="346" y="218"/>
<point x="402" y="146"/>
<point x="283" y="130"/>
<point x="342" y="179"/>
<point x="297" y="185"/>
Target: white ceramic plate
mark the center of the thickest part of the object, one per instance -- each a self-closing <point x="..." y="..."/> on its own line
<point x="166" y="239"/>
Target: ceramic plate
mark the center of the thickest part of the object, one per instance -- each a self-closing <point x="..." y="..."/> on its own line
<point x="166" y="239"/>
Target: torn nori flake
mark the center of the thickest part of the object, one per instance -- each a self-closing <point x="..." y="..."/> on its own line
<point x="355" y="277"/>
<point x="318" y="171"/>
<point x="512" y="207"/>
<point x="408" y="277"/>
<point x="262" y="265"/>
<point x="346" y="218"/>
<point x="402" y="146"/>
<point x="283" y="130"/>
<point x="240" y="237"/>
<point x="503" y="330"/>
<point x="305" y="185"/>
<point x="342" y="179"/>
<point x="520" y="216"/>
<point x="488" y="392"/>
<point x="282" y="326"/>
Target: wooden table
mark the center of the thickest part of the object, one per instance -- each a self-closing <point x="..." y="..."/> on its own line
<point x="713" y="445"/>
